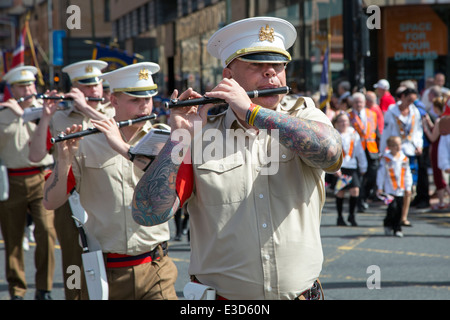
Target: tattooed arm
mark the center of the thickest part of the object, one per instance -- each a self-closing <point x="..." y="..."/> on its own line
<point x="317" y="143"/>
<point x="155" y="198"/>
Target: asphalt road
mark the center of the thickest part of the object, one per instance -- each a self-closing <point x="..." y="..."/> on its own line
<point x="360" y="263"/>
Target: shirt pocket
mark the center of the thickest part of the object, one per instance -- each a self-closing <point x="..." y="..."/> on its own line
<point x="283" y="172"/>
<point x="221" y="181"/>
<point x="99" y="167"/>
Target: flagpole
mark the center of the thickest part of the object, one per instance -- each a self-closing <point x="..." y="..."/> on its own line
<point x="50" y="42"/>
<point x="33" y="53"/>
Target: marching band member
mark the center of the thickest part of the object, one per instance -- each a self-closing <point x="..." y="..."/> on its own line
<point x="26" y="186"/>
<point x="105" y="175"/>
<point x="86" y="82"/>
<point x="254" y="218"/>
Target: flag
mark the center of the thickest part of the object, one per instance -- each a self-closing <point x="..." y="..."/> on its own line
<point x="19" y="52"/>
<point x="18" y="59"/>
<point x="343" y="181"/>
<point x="325" y="88"/>
<point x="386" y="198"/>
<point x="114" y="57"/>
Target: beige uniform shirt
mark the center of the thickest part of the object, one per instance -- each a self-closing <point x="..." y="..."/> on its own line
<point x="256" y="230"/>
<point x="63" y="119"/>
<point x="106" y="181"/>
<point x="15" y="135"/>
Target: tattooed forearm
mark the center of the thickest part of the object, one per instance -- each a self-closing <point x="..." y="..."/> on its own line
<point x="317" y="143"/>
<point x="53" y="183"/>
<point x="155" y="197"/>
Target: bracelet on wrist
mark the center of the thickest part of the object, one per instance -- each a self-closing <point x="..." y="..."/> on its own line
<point x="251" y="113"/>
<point x="131" y="155"/>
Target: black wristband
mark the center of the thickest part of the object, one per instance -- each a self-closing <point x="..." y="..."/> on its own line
<point x="131" y="155"/>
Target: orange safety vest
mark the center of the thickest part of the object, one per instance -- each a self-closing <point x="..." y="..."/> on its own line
<point x="367" y="134"/>
<point x="350" y="148"/>
<point x="402" y="128"/>
<point x="391" y="172"/>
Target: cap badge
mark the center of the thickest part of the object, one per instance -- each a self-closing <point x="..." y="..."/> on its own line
<point x="266" y="34"/>
<point x="23" y="73"/>
<point x="143" y="74"/>
<point x="89" y="69"/>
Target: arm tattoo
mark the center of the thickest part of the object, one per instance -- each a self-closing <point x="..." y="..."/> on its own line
<point x="315" y="142"/>
<point x="155" y="197"/>
<point x="54" y="182"/>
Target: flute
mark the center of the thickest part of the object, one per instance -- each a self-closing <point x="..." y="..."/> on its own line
<point x="43" y="96"/>
<point x="175" y="103"/>
<point x="46" y="97"/>
<point x="89" y="131"/>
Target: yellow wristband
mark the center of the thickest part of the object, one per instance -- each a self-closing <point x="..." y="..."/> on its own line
<point x="251" y="119"/>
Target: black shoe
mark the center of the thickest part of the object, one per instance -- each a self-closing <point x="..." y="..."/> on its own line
<point x="42" y="295"/>
<point x="352" y="221"/>
<point x="16" y="298"/>
<point x="341" y="222"/>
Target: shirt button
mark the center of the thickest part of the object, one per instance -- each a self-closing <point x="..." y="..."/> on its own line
<point x="261" y="196"/>
<point x="264" y="225"/>
<point x="267" y="257"/>
<point x="283" y="156"/>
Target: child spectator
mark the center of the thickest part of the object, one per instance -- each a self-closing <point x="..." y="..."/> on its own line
<point x="394" y="179"/>
<point x="348" y="176"/>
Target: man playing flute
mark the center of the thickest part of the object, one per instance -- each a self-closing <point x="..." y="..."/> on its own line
<point x="26" y="186"/>
<point x="86" y="82"/>
<point x="105" y="174"/>
<point x="255" y="209"/>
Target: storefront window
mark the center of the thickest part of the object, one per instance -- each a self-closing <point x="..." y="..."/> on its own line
<point x="313" y="19"/>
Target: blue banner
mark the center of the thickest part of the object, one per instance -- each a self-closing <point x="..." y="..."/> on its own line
<point x="114" y="57"/>
<point x="58" y="56"/>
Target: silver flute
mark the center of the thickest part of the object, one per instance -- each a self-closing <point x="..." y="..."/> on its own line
<point x="175" y="103"/>
<point x="89" y="131"/>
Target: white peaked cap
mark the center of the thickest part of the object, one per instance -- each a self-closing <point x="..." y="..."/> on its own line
<point x="21" y="75"/>
<point x="135" y="79"/>
<point x="259" y="39"/>
<point x="86" y="72"/>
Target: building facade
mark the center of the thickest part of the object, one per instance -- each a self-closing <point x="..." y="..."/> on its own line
<point x="368" y="39"/>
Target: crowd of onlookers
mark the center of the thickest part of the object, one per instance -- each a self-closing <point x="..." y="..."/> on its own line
<point x="371" y="123"/>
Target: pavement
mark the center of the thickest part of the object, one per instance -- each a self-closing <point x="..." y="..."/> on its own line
<point x="360" y="263"/>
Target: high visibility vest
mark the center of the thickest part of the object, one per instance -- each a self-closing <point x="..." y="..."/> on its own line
<point x="367" y="132"/>
<point x="396" y="184"/>
<point x="350" y="148"/>
<point x="404" y="134"/>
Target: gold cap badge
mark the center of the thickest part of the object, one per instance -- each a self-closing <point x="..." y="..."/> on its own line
<point x="266" y="34"/>
<point x="143" y="74"/>
<point x="89" y="69"/>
